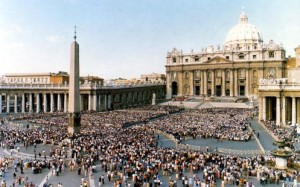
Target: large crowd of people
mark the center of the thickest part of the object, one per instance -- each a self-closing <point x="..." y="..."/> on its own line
<point x="131" y="156"/>
<point x="221" y="123"/>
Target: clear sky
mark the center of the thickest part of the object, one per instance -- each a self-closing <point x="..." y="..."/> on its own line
<point x="127" y="38"/>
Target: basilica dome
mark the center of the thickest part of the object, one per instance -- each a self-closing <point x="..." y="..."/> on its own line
<point x="243" y="34"/>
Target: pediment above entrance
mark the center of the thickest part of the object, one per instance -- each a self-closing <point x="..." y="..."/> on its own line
<point x="217" y="60"/>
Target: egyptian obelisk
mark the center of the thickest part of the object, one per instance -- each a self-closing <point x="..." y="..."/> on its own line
<point x="74" y="103"/>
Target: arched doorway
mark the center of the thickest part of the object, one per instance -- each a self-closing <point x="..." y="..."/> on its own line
<point x="174" y="89"/>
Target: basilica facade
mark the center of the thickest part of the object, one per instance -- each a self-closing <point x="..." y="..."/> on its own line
<point x="233" y="70"/>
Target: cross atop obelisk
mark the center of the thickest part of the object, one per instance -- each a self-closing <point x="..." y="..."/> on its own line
<point x="75" y="33"/>
<point x="74" y="89"/>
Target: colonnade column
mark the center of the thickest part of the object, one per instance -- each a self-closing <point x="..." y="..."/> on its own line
<point x="65" y="102"/>
<point x="236" y="93"/>
<point x="30" y="103"/>
<point x="260" y="108"/>
<point x="80" y="102"/>
<point x="231" y="82"/>
<point x="213" y="82"/>
<point x="205" y="82"/>
<point x="293" y="110"/>
<point x="38" y="108"/>
<point x="51" y="102"/>
<point x="90" y="102"/>
<point x="7" y="103"/>
<point x="45" y="102"/>
<point x="99" y="103"/>
<point x="109" y="101"/>
<point x="105" y="102"/>
<point x="278" y="111"/>
<point x="283" y="111"/>
<point x="95" y="102"/>
<point x="264" y="108"/>
<point x="202" y="83"/>
<point x="223" y="82"/>
<point x="0" y="103"/>
<point x="16" y="103"/>
<point x="58" y="102"/>
<point x="23" y="102"/>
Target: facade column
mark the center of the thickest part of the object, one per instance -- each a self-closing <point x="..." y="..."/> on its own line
<point x="223" y="83"/>
<point x="95" y="102"/>
<point x="247" y="83"/>
<point x="45" y="102"/>
<point x="201" y="83"/>
<point x="65" y="102"/>
<point x="58" y="102"/>
<point x="7" y="103"/>
<point x="278" y="111"/>
<point x="293" y="110"/>
<point x="51" y="102"/>
<point x="168" y="85"/>
<point x="23" y="103"/>
<point x="30" y="102"/>
<point x="16" y="104"/>
<point x="213" y="82"/>
<point x="283" y="111"/>
<point x="0" y="103"/>
<point x="231" y="83"/>
<point x="205" y="82"/>
<point x="38" y="105"/>
<point x="264" y="108"/>
<point x="236" y="90"/>
<point x="191" y="83"/>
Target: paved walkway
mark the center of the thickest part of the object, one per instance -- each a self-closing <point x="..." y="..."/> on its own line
<point x="263" y="135"/>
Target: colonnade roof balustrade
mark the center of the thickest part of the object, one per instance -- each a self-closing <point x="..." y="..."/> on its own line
<point x="280" y="84"/>
<point x="85" y="86"/>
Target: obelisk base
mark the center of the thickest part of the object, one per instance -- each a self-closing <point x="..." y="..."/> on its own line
<point x="74" y="123"/>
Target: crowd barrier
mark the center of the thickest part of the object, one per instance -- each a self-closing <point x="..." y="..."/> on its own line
<point x="219" y="150"/>
<point x="209" y="149"/>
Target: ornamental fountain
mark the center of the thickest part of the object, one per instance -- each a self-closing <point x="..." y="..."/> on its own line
<point x="281" y="154"/>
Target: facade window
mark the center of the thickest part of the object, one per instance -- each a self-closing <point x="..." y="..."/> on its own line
<point x="186" y="60"/>
<point x="227" y="57"/>
<point x="208" y="58"/>
<point x="174" y="60"/>
<point x="271" y="54"/>
<point x="197" y="59"/>
<point x="254" y="56"/>
<point x="241" y="56"/>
